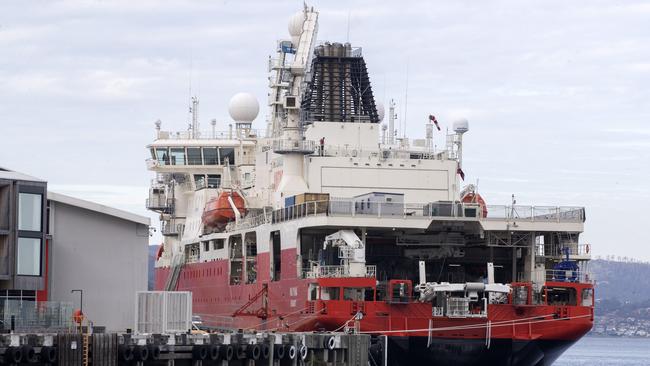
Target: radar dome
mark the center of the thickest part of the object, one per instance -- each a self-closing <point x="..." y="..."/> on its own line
<point x="243" y="107"/>
<point x="295" y="24"/>
<point x="380" y="111"/>
<point x="461" y="125"/>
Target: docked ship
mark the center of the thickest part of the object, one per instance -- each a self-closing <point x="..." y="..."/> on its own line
<point x="327" y="220"/>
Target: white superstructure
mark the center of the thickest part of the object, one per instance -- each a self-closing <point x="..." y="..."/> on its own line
<point x="405" y="190"/>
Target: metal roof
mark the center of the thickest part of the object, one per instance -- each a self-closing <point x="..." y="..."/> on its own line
<point x="11" y="175"/>
<point x="92" y="206"/>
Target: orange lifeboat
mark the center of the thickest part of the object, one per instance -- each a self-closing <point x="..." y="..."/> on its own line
<point x="218" y="212"/>
<point x="471" y="197"/>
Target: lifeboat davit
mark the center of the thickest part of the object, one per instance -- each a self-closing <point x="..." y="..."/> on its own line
<point x="218" y="211"/>
<point x="471" y="197"/>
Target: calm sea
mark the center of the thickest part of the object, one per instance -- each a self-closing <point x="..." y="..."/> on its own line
<point x="595" y="351"/>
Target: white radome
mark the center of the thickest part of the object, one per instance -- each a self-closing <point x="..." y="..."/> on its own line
<point x="296" y="23"/>
<point x="461" y="125"/>
<point x="243" y="107"/>
<point x="380" y="111"/>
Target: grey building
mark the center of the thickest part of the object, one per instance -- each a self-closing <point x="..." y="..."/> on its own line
<point x="102" y="251"/>
<point x="78" y="245"/>
<point x="23" y="230"/>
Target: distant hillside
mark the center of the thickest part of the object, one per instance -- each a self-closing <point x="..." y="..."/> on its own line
<point x="152" y="259"/>
<point x="625" y="282"/>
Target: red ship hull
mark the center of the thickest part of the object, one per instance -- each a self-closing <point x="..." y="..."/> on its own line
<point x="509" y="335"/>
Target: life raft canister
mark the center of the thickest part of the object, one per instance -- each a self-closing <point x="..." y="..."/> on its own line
<point x="476" y="198"/>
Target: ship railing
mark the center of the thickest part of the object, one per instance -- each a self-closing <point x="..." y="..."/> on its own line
<point x="395" y="152"/>
<point x="336" y="271"/>
<point x="203" y="135"/>
<point x="353" y="207"/>
<point x="284" y="146"/>
<point x="361" y="207"/>
<point x="249" y="222"/>
<point x="159" y="203"/>
<point x="557" y="275"/>
<point x="581" y="250"/>
<point x="300" y="210"/>
<point x="170" y="228"/>
<point x="535" y="213"/>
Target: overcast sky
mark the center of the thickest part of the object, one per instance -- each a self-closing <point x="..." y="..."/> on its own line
<point x="557" y="93"/>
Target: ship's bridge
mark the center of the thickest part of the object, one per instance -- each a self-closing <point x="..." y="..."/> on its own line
<point x="181" y="155"/>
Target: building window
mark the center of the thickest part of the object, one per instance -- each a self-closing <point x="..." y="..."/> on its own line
<point x="210" y="156"/>
<point x="29" y="211"/>
<point x="194" y="156"/>
<point x="29" y="257"/>
<point x="177" y="155"/>
<point x="227" y="153"/>
<point x="214" y="181"/>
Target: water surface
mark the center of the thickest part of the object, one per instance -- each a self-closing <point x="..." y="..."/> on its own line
<point x="596" y="351"/>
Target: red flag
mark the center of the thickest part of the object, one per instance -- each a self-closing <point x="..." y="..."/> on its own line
<point x="435" y="121"/>
<point x="460" y="172"/>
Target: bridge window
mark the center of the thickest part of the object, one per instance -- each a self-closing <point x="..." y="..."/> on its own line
<point x="194" y="156"/>
<point x="177" y="155"/>
<point x="163" y="155"/>
<point x="210" y="156"/>
<point x="227" y="153"/>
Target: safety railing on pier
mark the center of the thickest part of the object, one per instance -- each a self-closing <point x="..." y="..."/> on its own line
<point x="35" y="316"/>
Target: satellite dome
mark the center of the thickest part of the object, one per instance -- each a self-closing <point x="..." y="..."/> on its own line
<point x="295" y="24"/>
<point x="243" y="107"/>
<point x="380" y="111"/>
<point x="461" y="125"/>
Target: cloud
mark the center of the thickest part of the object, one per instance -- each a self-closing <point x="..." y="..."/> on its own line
<point x="555" y="92"/>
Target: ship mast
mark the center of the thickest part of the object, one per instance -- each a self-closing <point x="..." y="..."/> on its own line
<point x="286" y="96"/>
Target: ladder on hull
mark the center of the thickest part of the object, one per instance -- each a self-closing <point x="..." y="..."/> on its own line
<point x="178" y="261"/>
